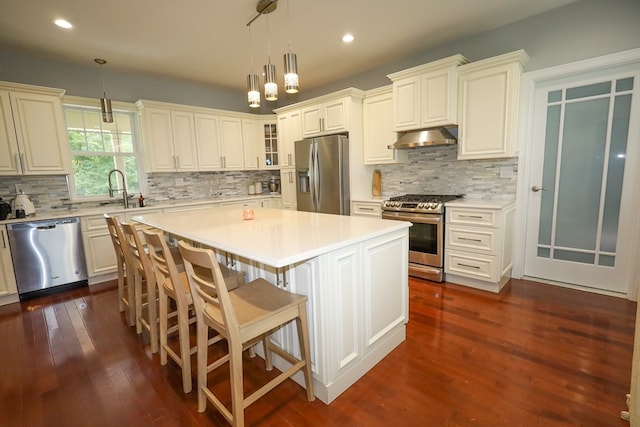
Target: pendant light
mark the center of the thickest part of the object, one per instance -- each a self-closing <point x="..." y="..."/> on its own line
<point x="291" y="84"/>
<point x="105" y="103"/>
<point x="270" y="84"/>
<point x="253" y="83"/>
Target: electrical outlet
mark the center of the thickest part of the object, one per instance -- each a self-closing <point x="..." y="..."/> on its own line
<point x="19" y="189"/>
<point x="506" y="172"/>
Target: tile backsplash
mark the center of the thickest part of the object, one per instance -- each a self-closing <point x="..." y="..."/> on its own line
<point x="436" y="170"/>
<point x="50" y="193"/>
<point x="433" y="170"/>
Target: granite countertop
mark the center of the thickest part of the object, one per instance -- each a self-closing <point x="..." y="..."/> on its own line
<point x="275" y="237"/>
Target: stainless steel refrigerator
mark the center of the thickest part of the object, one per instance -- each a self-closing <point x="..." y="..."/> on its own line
<point x="322" y="172"/>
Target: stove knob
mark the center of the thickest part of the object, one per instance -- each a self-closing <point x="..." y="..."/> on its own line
<point x="397" y="204"/>
<point x="431" y="205"/>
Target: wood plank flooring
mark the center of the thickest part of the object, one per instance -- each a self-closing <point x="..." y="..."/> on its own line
<point x="534" y="355"/>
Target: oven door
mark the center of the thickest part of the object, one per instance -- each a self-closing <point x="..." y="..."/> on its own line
<point x="425" y="237"/>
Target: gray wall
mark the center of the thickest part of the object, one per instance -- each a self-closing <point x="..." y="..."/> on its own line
<point x="580" y="30"/>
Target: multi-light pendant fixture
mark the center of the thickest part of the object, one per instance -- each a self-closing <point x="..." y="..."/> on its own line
<point x="291" y="80"/>
<point x="105" y="103"/>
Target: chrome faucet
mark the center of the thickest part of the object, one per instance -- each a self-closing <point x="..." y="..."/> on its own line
<point x="125" y="199"/>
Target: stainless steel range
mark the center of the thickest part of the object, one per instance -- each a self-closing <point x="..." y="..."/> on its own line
<point x="426" y="236"/>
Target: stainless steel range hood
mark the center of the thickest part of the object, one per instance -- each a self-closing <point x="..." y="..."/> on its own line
<point x="424" y="138"/>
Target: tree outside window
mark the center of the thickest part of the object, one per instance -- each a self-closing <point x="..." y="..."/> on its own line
<point x="97" y="148"/>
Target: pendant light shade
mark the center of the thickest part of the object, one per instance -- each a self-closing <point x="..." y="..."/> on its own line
<point x="105" y="103"/>
<point x="105" y="107"/>
<point x="270" y="85"/>
<point x="290" y="73"/>
<point x="253" y="90"/>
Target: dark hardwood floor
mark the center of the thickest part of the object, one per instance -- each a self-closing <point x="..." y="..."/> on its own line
<point x="534" y="355"/>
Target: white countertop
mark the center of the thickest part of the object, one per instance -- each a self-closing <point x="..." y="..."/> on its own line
<point x="480" y="203"/>
<point x="276" y="237"/>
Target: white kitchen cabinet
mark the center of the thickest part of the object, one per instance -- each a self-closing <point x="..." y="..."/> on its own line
<point x="366" y="208"/>
<point x="489" y="98"/>
<point x="220" y="142"/>
<point x="288" y="188"/>
<point x="378" y="128"/>
<point x="170" y="138"/>
<point x="270" y="143"/>
<point x="325" y="118"/>
<point x="478" y="248"/>
<point x="425" y="96"/>
<point x="33" y="136"/>
<point x="8" y="288"/>
<point x="290" y="129"/>
<point x="252" y="144"/>
<point x="99" y="253"/>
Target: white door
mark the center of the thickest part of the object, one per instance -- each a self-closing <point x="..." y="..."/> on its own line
<point x="584" y="161"/>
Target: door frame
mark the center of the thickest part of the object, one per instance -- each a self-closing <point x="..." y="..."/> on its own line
<point x="530" y="80"/>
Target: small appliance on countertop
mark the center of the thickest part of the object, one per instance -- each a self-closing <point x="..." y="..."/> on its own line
<point x="23" y="203"/>
<point x="5" y="209"/>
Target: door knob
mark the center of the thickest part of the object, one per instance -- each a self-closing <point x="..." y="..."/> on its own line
<point x="535" y="189"/>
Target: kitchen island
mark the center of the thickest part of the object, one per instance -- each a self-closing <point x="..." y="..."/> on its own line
<point x="353" y="271"/>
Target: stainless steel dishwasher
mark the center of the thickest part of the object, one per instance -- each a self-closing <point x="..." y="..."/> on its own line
<point x="48" y="255"/>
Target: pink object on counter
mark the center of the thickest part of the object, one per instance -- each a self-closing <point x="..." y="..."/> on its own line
<point x="248" y="214"/>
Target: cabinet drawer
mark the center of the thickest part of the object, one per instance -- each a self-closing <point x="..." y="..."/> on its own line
<point x="475" y="266"/>
<point x="485" y="240"/>
<point x="366" y="209"/>
<point x="469" y="216"/>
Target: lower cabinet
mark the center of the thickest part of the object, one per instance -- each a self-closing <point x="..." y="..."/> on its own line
<point x="366" y="208"/>
<point x="8" y="288"/>
<point x="98" y="247"/>
<point x="478" y="248"/>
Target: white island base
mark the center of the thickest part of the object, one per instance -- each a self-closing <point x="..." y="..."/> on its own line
<point x="353" y="271"/>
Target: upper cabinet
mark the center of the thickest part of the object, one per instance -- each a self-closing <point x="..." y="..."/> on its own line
<point x="170" y="138"/>
<point x="181" y="138"/>
<point x="425" y="96"/>
<point x="488" y="99"/>
<point x="325" y="118"/>
<point x="290" y="128"/>
<point x="33" y="137"/>
<point x="378" y="128"/>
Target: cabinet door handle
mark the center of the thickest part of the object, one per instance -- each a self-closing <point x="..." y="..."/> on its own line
<point x="289" y="159"/>
<point x="470" y="266"/>
<point x="18" y="163"/>
<point x="290" y="177"/>
<point x="177" y="162"/>
<point x="322" y="124"/>
<point x="471" y="240"/>
<point x="4" y="243"/>
<point x="257" y="161"/>
<point x="23" y="163"/>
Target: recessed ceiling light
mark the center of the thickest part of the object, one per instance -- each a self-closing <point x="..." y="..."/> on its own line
<point x="63" y="23"/>
<point x="347" y="38"/>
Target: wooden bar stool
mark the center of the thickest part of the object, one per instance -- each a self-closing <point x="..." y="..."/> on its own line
<point x="126" y="297"/>
<point x="144" y="284"/>
<point x="243" y="317"/>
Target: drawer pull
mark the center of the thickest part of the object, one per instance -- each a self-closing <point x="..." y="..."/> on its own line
<point x="471" y="240"/>
<point x="471" y="216"/>
<point x="365" y="209"/>
<point x="470" y="266"/>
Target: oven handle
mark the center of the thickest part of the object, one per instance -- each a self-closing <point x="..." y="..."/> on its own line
<point x="417" y="218"/>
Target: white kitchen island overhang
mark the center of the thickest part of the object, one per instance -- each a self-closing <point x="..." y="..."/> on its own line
<point x="353" y="270"/>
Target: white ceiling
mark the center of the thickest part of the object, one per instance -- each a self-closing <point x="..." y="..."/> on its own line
<point x="207" y="41"/>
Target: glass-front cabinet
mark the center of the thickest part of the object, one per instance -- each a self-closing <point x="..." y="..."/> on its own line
<point x="270" y="134"/>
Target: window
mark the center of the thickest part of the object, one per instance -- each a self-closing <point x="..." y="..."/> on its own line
<point x="97" y="148"/>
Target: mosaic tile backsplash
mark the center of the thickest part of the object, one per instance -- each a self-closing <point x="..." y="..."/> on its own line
<point x="436" y="170"/>
<point x="432" y="170"/>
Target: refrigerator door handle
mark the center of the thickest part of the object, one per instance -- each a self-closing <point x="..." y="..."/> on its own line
<point x="311" y="173"/>
<point x="316" y="178"/>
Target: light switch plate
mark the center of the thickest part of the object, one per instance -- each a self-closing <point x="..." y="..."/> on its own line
<point x="506" y="171"/>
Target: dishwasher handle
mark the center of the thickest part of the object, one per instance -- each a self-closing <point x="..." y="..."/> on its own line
<point x="46" y="227"/>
